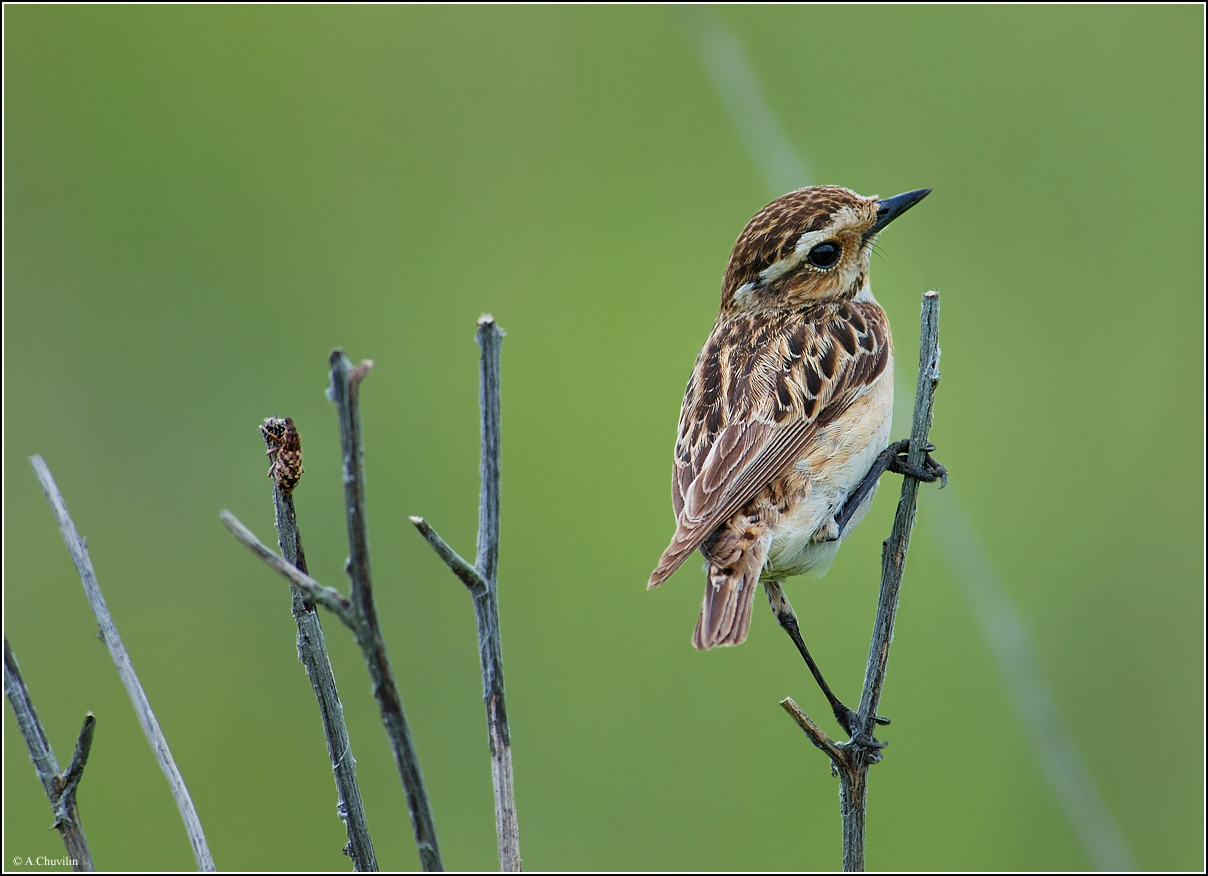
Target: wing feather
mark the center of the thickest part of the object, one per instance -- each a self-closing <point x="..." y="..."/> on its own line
<point x="739" y="434"/>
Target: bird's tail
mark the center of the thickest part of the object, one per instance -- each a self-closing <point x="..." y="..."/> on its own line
<point x="681" y="547"/>
<point x="733" y="577"/>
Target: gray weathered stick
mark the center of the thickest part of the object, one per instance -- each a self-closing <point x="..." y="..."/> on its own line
<point x="349" y="616"/>
<point x="125" y="669"/>
<point x="481" y="579"/>
<point x="60" y="787"/>
<point x="312" y="654"/>
<point x="893" y="553"/>
<point x="344" y="391"/>
<point x="852" y="759"/>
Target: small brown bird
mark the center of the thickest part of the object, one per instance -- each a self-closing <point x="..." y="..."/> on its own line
<point x="785" y="421"/>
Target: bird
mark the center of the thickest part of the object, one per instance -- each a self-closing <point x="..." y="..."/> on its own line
<point x="786" y="418"/>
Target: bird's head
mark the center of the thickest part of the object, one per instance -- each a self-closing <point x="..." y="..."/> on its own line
<point x="813" y="244"/>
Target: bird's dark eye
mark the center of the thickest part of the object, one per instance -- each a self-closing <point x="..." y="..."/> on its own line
<point x="824" y="255"/>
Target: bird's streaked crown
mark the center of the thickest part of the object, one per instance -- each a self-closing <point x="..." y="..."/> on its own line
<point x="809" y="245"/>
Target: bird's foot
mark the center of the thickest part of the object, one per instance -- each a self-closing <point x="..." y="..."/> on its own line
<point x="929" y="472"/>
<point x="850" y="722"/>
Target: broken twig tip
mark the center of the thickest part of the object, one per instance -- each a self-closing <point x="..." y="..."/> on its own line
<point x="360" y="372"/>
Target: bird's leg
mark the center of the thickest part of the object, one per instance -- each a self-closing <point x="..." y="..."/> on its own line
<point x="892" y="458"/>
<point x="788" y="619"/>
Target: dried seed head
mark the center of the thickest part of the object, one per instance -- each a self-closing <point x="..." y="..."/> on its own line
<point x="285" y="451"/>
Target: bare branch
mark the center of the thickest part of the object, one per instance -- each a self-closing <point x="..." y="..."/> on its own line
<point x="481" y="581"/>
<point x="486" y="606"/>
<point x="893" y="554"/>
<point x="125" y="669"/>
<point x="45" y="763"/>
<point x="285" y="447"/>
<point x="490" y="338"/>
<point x="344" y="392"/>
<point x="851" y="760"/>
<point x="60" y="789"/>
<point x="358" y="612"/>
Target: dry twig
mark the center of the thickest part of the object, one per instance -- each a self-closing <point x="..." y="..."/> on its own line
<point x="358" y="612"/>
<point x="344" y="390"/>
<point x="125" y="669"/>
<point x="852" y="759"/>
<point x="60" y="787"/>
<point x="285" y="449"/>
<point x="481" y="580"/>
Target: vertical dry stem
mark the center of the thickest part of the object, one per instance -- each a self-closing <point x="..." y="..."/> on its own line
<point x="893" y="552"/>
<point x="486" y="604"/>
<point x="852" y="759"/>
<point x="312" y="654"/>
<point x="481" y="580"/>
<point x="344" y="391"/>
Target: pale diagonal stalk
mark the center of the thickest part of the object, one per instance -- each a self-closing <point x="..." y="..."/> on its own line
<point x="344" y="392"/>
<point x="739" y="89"/>
<point x="481" y="580"/>
<point x="60" y="787"/>
<point x="312" y="654"/>
<point x="125" y="668"/>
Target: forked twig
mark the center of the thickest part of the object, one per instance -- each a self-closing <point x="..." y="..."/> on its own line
<point x="358" y="612"/>
<point x="60" y="787"/>
<point x="481" y="580"/>
<point x="852" y="759"/>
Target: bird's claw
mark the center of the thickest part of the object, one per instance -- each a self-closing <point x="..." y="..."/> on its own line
<point x="850" y="722"/>
<point x="929" y="472"/>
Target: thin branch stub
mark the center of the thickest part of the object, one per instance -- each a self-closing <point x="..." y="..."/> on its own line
<point x="460" y="567"/>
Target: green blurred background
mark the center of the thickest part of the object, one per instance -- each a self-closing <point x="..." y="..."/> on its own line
<point x="201" y="202"/>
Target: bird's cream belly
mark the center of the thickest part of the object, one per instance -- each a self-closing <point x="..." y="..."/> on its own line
<point x="837" y="461"/>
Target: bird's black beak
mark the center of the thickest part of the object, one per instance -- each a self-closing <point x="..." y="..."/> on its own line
<point x="889" y="209"/>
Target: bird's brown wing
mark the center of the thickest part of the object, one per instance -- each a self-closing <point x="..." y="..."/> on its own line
<point x="761" y="389"/>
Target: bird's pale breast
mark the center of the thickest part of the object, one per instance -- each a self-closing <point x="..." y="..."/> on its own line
<point x="836" y="461"/>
